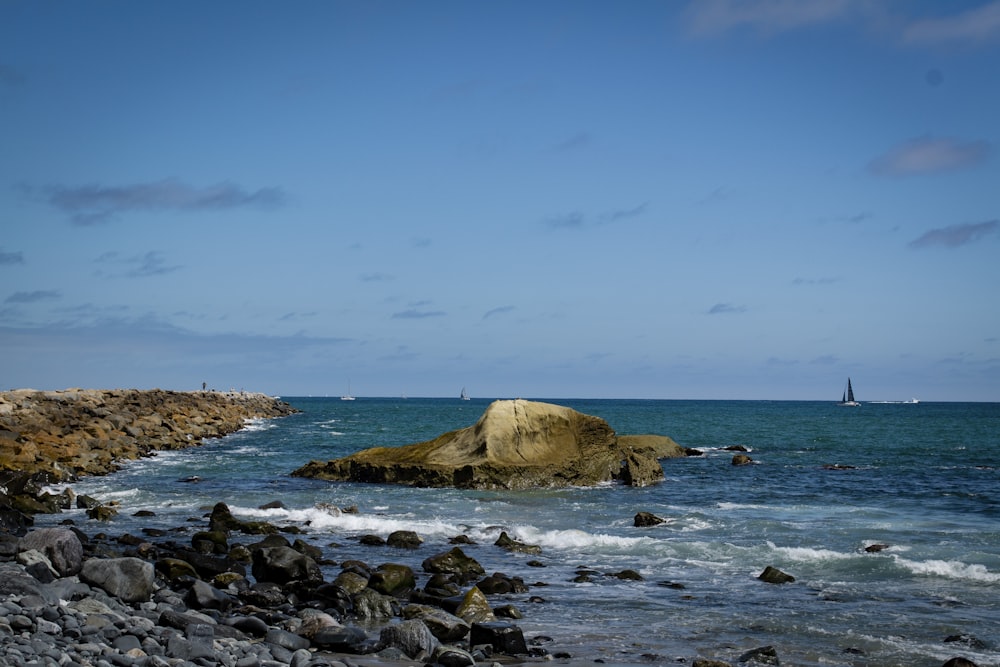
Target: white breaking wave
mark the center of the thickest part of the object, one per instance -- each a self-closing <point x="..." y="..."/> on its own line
<point x="808" y="554"/>
<point x="950" y="569"/>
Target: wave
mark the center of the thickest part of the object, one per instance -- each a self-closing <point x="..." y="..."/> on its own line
<point x="950" y="569"/>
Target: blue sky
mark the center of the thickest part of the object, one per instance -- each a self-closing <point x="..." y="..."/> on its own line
<point x="717" y="199"/>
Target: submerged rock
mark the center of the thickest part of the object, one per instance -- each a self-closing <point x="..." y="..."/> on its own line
<point x="516" y="444"/>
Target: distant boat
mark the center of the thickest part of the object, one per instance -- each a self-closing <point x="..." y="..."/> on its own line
<point x="847" y="400"/>
<point x="347" y="396"/>
<point x="464" y="395"/>
<point x="912" y="401"/>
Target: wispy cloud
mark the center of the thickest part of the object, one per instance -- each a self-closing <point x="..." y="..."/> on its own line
<point x="624" y="214"/>
<point x="416" y="314"/>
<point x="33" y="297"/>
<point x="956" y="235"/>
<point x="151" y="263"/>
<point x="928" y="155"/>
<point x="96" y="204"/>
<point x="726" y="309"/>
<point x="16" y="257"/>
<point x="572" y="220"/>
<point x="577" y="220"/>
<point x="713" y="17"/>
<point x="979" y="24"/>
<point x="497" y="311"/>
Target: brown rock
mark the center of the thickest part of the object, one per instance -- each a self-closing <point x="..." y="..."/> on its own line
<point x="514" y="445"/>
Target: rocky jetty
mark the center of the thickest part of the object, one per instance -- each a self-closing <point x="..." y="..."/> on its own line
<point x="58" y="436"/>
<point x="516" y="444"/>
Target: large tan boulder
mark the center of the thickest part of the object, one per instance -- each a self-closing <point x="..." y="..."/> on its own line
<point x="516" y="444"/>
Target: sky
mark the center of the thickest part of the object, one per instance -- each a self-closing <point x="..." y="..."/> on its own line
<point x="723" y="199"/>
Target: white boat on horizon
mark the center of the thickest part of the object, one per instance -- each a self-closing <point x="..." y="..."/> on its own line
<point x="464" y="395"/>
<point x="847" y="400"/>
<point x="347" y="396"/>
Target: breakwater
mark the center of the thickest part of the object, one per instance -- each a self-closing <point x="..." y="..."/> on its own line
<point x="57" y="436"/>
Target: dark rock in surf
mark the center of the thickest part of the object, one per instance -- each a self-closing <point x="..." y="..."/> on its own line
<point x="404" y="539"/>
<point x="506" y="542"/>
<point x="765" y="655"/>
<point x="773" y="575"/>
<point x="741" y="460"/>
<point x="646" y="519"/>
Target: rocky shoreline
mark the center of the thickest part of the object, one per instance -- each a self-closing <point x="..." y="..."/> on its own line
<point x="71" y="599"/>
<point x="48" y="437"/>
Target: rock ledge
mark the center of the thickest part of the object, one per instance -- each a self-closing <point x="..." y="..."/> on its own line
<point x="516" y="444"/>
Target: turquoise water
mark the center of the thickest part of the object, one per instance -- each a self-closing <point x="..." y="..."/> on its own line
<point x="923" y="479"/>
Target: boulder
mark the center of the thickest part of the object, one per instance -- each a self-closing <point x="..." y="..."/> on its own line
<point x="392" y="579"/>
<point x="646" y="519"/>
<point x="128" y="579"/>
<point x="446" y="627"/>
<point x="60" y="545"/>
<point x="283" y="564"/>
<point x="504" y="638"/>
<point x="773" y="575"/>
<point x="454" y="562"/>
<point x="516" y="444"/>
<point x="412" y="637"/>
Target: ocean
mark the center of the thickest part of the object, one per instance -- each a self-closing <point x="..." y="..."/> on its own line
<point x="826" y="482"/>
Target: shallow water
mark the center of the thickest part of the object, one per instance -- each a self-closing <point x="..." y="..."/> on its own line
<point x="922" y="479"/>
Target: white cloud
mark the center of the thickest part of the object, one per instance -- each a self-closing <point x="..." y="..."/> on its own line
<point x="979" y="24"/>
<point x="709" y="17"/>
<point x="926" y="155"/>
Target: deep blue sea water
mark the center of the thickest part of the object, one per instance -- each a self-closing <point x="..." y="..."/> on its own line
<point x="922" y="478"/>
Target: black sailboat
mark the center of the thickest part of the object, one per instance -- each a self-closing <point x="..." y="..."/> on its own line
<point x="847" y="399"/>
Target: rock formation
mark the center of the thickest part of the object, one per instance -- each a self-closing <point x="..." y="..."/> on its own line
<point x="516" y="444"/>
<point x="57" y="436"/>
<point x="74" y="432"/>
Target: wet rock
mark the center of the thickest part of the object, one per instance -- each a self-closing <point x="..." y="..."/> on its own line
<point x="773" y="575"/>
<point x="412" y="637"/>
<point x="392" y="579"/>
<point x="765" y="655"/>
<point x="404" y="539"/>
<point x="646" y="519"/>
<point x="741" y="460"/>
<point x="504" y="638"/>
<point x="283" y="564"/>
<point x="501" y="584"/>
<point x="506" y="542"/>
<point x="474" y="607"/>
<point x="959" y="662"/>
<point x="454" y="562"/>
<point x="446" y="627"/>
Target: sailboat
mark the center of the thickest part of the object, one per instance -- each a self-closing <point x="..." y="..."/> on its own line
<point x="464" y="395"/>
<point x="847" y="400"/>
<point x="347" y="396"/>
